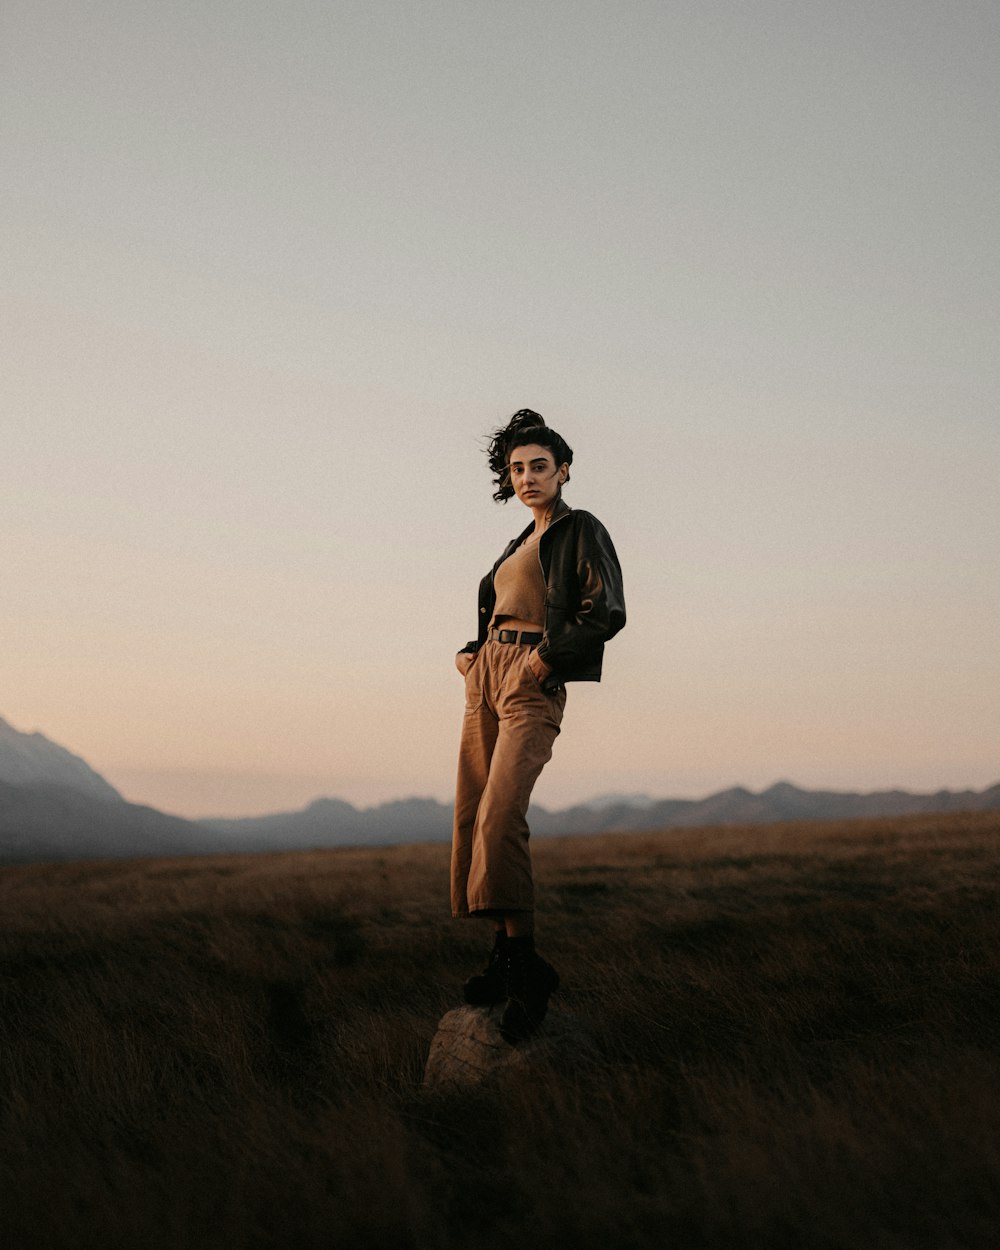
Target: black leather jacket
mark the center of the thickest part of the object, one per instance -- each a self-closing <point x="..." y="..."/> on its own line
<point x="584" y="599"/>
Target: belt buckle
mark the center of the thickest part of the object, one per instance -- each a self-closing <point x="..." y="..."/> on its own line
<point x="508" y="635"/>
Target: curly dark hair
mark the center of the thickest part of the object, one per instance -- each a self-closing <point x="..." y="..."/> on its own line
<point x="524" y="427"/>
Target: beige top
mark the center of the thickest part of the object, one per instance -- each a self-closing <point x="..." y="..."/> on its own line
<point x="520" y="587"/>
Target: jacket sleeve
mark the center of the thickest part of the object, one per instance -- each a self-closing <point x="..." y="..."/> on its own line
<point x="596" y="611"/>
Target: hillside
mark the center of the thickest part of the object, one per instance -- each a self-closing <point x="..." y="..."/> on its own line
<point x="31" y="759"/>
<point x="796" y="1030"/>
<point x="40" y="823"/>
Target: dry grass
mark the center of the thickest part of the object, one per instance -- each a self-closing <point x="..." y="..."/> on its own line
<point x="798" y="1023"/>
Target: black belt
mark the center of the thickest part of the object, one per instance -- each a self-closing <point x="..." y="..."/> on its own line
<point x="511" y="635"/>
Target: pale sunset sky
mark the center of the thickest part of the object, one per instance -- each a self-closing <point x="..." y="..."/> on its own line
<point x="273" y="271"/>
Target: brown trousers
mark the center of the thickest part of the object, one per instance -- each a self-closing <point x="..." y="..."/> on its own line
<point x="507" y="735"/>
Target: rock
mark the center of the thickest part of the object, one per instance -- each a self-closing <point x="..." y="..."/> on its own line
<point x="468" y="1048"/>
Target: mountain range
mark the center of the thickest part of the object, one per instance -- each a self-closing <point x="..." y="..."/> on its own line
<point x="54" y="806"/>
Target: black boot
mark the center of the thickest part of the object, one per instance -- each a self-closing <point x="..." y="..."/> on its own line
<point x="490" y="985"/>
<point x="530" y="981"/>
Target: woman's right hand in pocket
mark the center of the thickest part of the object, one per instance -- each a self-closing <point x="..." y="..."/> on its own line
<point x="463" y="661"/>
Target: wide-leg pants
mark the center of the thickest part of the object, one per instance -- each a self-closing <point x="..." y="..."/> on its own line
<point x="507" y="735"/>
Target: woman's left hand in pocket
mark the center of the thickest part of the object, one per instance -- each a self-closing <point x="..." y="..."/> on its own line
<point x="539" y="668"/>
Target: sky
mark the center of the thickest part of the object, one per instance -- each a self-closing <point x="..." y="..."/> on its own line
<point x="273" y="272"/>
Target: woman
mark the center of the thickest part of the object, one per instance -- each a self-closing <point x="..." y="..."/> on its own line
<point x="546" y="608"/>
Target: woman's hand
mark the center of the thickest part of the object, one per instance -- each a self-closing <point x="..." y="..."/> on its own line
<point x="539" y="668"/>
<point x="463" y="661"/>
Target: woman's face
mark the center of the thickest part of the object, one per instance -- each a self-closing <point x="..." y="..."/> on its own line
<point x="534" y="475"/>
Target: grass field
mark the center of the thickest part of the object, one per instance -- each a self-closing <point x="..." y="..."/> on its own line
<point x="798" y="1028"/>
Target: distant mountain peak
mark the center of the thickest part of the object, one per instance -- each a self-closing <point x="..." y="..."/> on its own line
<point x="329" y="805"/>
<point x="31" y="759"/>
<point x="617" y="798"/>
